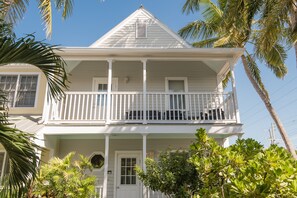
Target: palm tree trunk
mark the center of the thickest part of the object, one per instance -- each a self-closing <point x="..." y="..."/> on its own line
<point x="293" y="24"/>
<point x="270" y="109"/>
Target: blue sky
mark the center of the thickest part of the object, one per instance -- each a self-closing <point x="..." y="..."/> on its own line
<point x="93" y="18"/>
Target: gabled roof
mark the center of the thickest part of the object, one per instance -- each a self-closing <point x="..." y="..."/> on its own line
<point x="123" y="35"/>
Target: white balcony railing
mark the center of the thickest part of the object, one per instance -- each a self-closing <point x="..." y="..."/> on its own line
<point x="98" y="192"/>
<point x="159" y="107"/>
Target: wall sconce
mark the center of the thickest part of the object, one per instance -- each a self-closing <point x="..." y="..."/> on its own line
<point x="126" y="79"/>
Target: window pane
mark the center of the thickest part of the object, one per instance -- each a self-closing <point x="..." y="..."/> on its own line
<point x="27" y="91"/>
<point x="176" y="85"/>
<point x="8" y="84"/>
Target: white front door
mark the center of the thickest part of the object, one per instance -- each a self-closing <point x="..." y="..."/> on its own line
<point x="127" y="183"/>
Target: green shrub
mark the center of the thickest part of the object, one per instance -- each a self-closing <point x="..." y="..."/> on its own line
<point x="64" y="178"/>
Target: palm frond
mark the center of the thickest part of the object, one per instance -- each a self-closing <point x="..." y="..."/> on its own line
<point x="66" y="6"/>
<point x="226" y="79"/>
<point x="223" y="41"/>
<point x="27" y="50"/>
<point x="197" y="29"/>
<point x="274" y="58"/>
<point x="45" y="7"/>
<point x="191" y="6"/>
<point x="3" y="107"/>
<point x="23" y="161"/>
<point x="13" y="10"/>
<point x="205" y="43"/>
<point x="6" y="29"/>
<point x="273" y="18"/>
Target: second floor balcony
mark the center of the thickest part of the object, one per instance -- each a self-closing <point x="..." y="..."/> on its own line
<point x="144" y="108"/>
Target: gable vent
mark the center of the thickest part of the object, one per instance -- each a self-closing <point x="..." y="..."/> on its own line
<point x="141" y="29"/>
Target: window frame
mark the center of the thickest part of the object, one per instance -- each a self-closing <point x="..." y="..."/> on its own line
<point x="19" y="74"/>
<point x="136" y="29"/>
<point x="104" y="80"/>
<point x="97" y="153"/>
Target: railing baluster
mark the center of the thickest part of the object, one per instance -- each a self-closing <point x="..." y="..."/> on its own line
<point x="91" y="107"/>
<point x="70" y="106"/>
<point x="83" y="107"/>
<point x="126" y="113"/>
<point x="78" y="107"/>
<point x="61" y="107"/>
<point x="112" y="105"/>
<point x="87" y="107"/>
<point x="120" y="114"/>
<point x="104" y="105"/>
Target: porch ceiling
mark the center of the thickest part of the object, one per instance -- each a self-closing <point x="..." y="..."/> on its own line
<point x="217" y="60"/>
<point x="77" y="53"/>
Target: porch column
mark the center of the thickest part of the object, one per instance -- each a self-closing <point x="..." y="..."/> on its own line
<point x="105" y="166"/>
<point x="109" y="81"/>
<point x="234" y="92"/>
<point x="144" y="90"/>
<point x="46" y="107"/>
<point x="144" y="190"/>
<point x="226" y="142"/>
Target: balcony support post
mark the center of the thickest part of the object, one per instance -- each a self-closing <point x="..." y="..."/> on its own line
<point x="109" y="82"/>
<point x="144" y="91"/>
<point x="144" y="141"/>
<point x="46" y="106"/>
<point x="234" y="92"/>
<point x="104" y="194"/>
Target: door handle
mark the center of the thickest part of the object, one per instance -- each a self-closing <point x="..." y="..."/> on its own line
<point x="118" y="187"/>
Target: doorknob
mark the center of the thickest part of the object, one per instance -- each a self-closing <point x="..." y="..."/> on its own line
<point x="118" y="187"/>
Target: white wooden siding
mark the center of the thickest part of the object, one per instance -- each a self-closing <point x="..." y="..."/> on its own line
<point x="88" y="146"/>
<point x="157" y="37"/>
<point x="200" y="77"/>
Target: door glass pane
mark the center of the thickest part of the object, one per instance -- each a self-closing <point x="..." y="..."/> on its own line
<point x="177" y="101"/>
<point x="176" y="85"/>
<point x="101" y="100"/>
<point x="128" y="173"/>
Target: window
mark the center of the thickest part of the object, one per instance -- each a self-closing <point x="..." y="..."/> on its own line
<point x="141" y="30"/>
<point x="21" y="89"/>
<point x="128" y="170"/>
<point x="97" y="160"/>
<point x="100" y="85"/>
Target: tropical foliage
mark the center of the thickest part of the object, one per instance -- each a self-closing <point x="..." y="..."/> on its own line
<point x="232" y="23"/>
<point x="244" y="169"/>
<point x="64" y="178"/>
<point x="13" y="10"/>
<point x="21" y="151"/>
<point x="172" y="174"/>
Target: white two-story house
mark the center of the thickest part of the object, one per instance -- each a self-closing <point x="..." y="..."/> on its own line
<point x="138" y="90"/>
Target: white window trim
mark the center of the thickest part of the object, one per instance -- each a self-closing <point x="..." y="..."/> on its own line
<point x="37" y="87"/>
<point x="185" y="79"/>
<point x="104" y="80"/>
<point x="97" y="153"/>
<point x="136" y="29"/>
